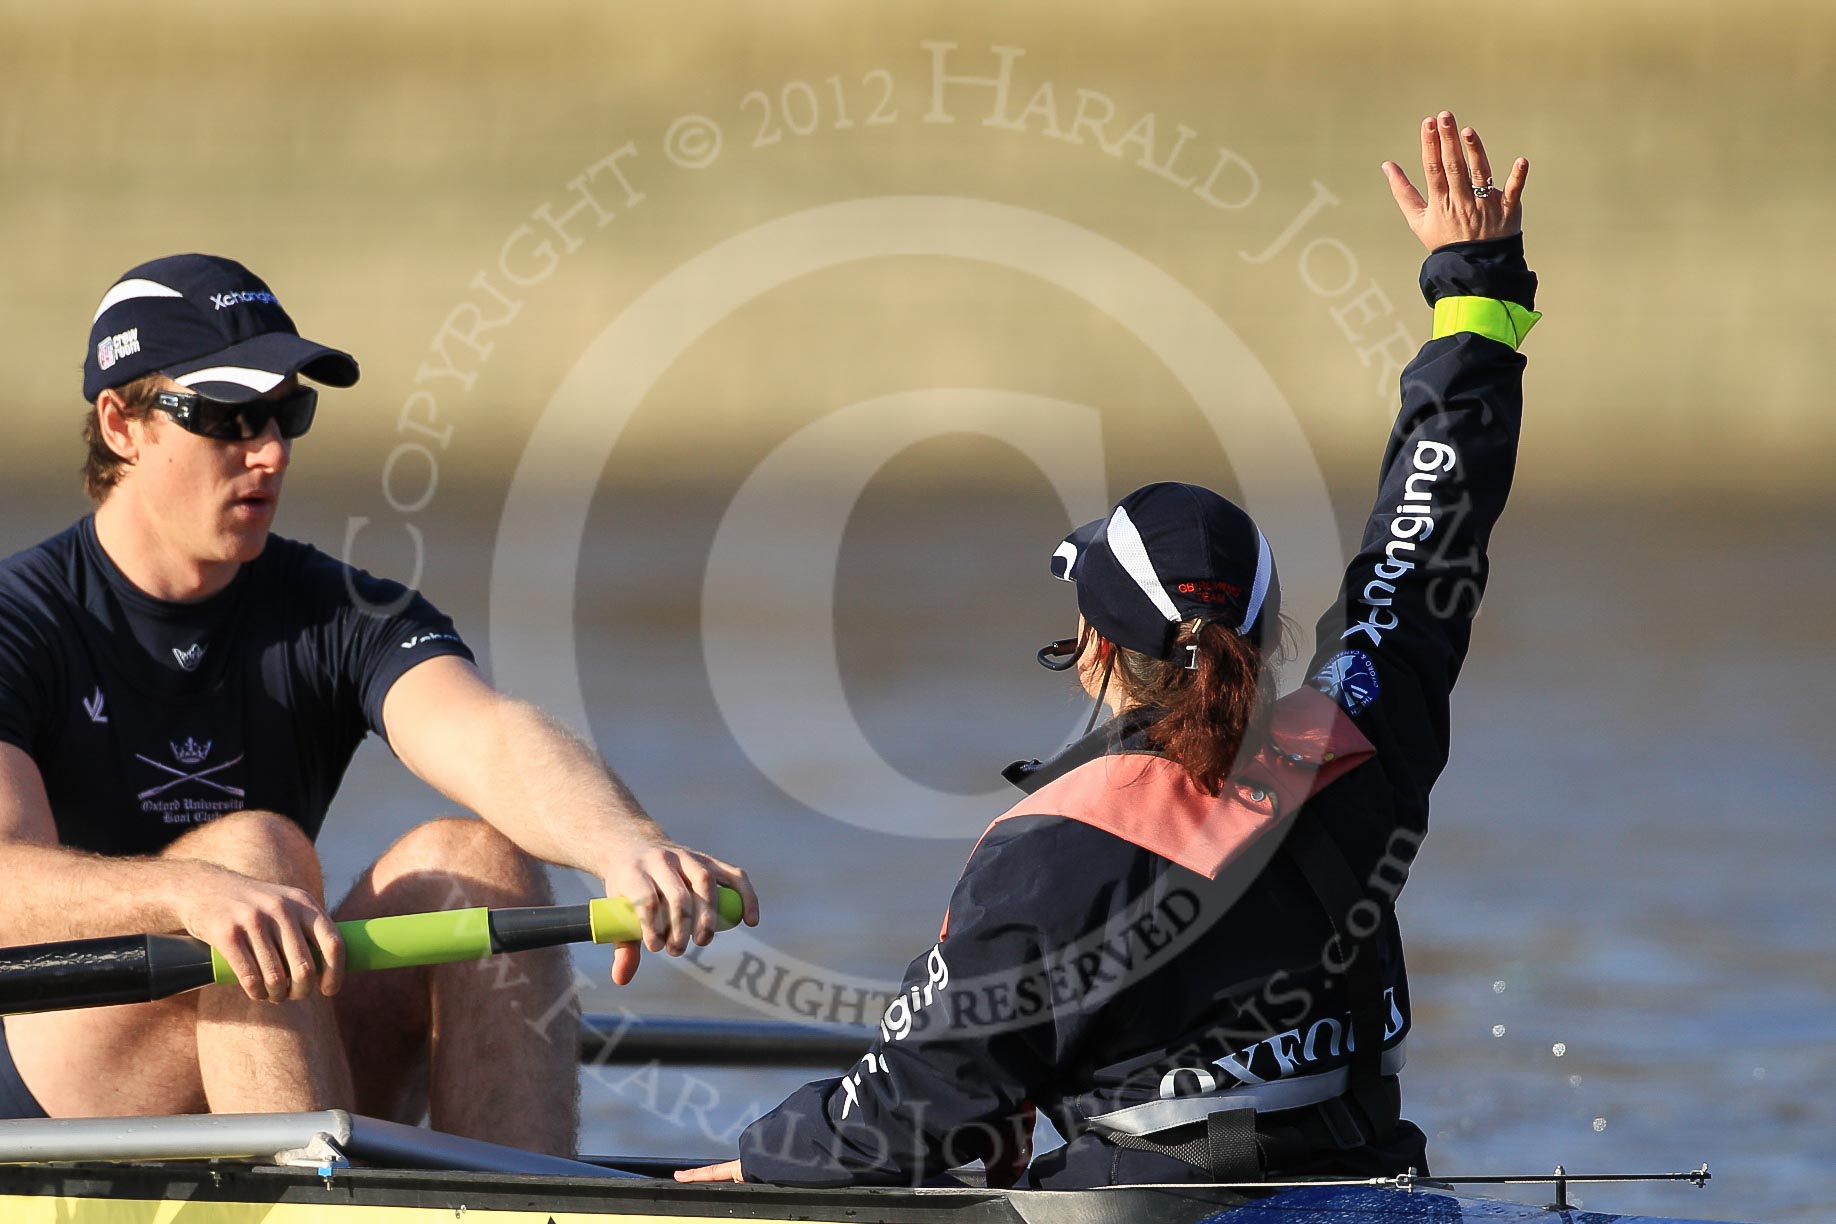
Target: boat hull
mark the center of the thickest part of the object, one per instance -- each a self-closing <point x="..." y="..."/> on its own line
<point x="241" y="1194"/>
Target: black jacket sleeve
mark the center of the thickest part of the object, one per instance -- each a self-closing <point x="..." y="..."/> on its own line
<point x="1391" y="647"/>
<point x="961" y="1049"/>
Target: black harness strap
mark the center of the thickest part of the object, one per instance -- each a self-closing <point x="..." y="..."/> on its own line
<point x="1238" y="1145"/>
<point x="1226" y="1144"/>
<point x="1330" y="878"/>
<point x="1232" y="1147"/>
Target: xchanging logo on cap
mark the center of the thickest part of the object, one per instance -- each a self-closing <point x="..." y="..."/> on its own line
<point x="241" y="298"/>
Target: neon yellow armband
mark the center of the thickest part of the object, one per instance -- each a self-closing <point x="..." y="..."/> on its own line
<point x="1505" y="322"/>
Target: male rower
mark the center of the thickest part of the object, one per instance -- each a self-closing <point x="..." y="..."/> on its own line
<point x="180" y="694"/>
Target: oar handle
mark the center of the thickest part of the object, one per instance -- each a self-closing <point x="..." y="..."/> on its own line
<point x="406" y="940"/>
<point x="402" y="941"/>
<point x="614" y="919"/>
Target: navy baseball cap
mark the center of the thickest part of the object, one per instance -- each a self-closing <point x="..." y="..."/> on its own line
<point x="209" y="324"/>
<point x="1168" y="553"/>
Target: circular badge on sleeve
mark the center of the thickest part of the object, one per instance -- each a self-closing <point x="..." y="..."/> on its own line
<point x="1349" y="678"/>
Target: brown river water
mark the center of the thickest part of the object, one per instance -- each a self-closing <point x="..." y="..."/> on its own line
<point x="1617" y="930"/>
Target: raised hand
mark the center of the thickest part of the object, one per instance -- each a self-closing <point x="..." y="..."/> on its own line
<point x="1462" y="203"/>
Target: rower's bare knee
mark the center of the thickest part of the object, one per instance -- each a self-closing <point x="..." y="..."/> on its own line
<point x="261" y="845"/>
<point x="469" y="860"/>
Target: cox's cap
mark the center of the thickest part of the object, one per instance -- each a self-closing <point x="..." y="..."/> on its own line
<point x="1168" y="553"/>
<point x="209" y="324"/>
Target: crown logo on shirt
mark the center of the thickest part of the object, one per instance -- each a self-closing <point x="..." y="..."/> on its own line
<point x="190" y="752"/>
<point x="190" y="657"/>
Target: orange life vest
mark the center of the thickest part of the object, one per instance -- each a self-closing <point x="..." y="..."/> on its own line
<point x="1151" y="801"/>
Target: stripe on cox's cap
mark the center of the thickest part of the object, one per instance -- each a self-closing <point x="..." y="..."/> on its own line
<point x="1125" y="542"/>
<point x="1068" y="551"/>
<point x="256" y="380"/>
<point x="1260" y="589"/>
<point x="128" y="290"/>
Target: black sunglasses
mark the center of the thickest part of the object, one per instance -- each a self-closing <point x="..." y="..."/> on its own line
<point x="227" y="422"/>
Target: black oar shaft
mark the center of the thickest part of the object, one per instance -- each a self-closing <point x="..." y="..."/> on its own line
<point x="99" y="972"/>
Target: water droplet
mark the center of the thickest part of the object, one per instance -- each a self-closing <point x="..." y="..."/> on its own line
<point x="1599" y="1125"/>
<point x="1759" y="1073"/>
<point x="1559" y="1048"/>
<point x="1498" y="987"/>
<point x="1498" y="1030"/>
<point x="1574" y="1081"/>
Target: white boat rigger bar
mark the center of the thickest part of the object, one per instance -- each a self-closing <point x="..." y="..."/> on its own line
<point x="320" y="1139"/>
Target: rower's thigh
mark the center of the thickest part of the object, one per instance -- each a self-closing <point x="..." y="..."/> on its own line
<point x="261" y="845"/>
<point x="384" y="1021"/>
<point x="130" y="1060"/>
<point x="385" y="1018"/>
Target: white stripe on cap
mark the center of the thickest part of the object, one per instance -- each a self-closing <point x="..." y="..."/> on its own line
<point x="1265" y="564"/>
<point x="242" y="376"/>
<point x="1068" y="551"/>
<point x="1125" y="543"/>
<point x="127" y="290"/>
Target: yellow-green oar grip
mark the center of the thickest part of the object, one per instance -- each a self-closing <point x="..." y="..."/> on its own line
<point x="459" y="935"/>
<point x="615" y="921"/>
<point x="403" y="940"/>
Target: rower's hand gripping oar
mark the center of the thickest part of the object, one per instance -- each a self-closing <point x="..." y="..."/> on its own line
<point x="139" y="968"/>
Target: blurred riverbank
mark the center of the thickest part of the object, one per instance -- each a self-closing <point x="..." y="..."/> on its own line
<point x="388" y="171"/>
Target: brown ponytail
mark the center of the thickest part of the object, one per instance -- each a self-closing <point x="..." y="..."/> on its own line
<point x="1209" y="712"/>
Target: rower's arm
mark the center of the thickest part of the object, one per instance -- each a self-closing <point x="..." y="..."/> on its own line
<point x="967" y="1041"/>
<point x="1392" y="646"/>
<point x="554" y="796"/>
<point x="53" y="892"/>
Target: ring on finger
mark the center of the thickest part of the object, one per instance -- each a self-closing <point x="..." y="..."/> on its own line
<point x="1482" y="190"/>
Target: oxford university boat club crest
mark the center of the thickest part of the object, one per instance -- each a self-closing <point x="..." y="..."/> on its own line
<point x="191" y="790"/>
